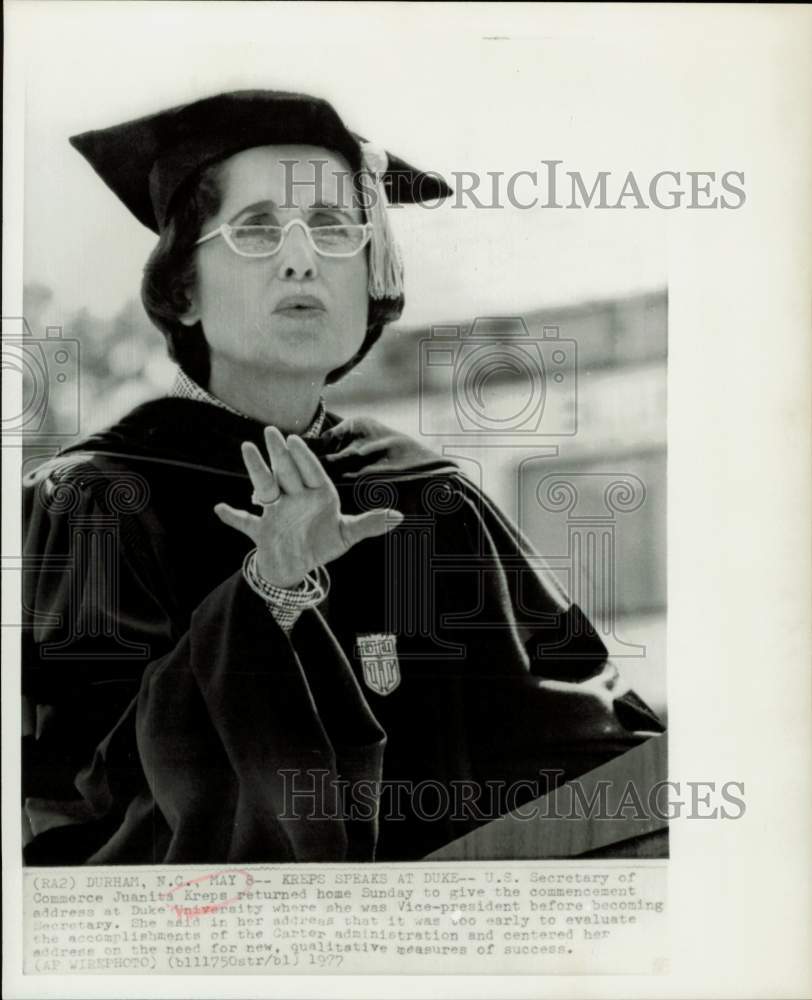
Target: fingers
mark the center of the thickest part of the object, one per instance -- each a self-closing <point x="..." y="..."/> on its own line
<point x="262" y="479"/>
<point x="342" y="428"/>
<point x="294" y="466"/>
<point x="363" y="427"/>
<point x="310" y="469"/>
<point x="362" y="447"/>
<point x="356" y="527"/>
<point x="285" y="469"/>
<point x="363" y="436"/>
<point x="241" y="520"/>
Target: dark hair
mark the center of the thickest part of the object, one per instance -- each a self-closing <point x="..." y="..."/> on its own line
<point x="170" y="273"/>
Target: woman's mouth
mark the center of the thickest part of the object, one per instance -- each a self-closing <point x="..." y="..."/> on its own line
<point x="300" y="306"/>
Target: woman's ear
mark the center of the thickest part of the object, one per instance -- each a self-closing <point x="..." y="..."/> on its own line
<point x="192" y="315"/>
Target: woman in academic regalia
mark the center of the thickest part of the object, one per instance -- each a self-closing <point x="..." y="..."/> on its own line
<point x="259" y="632"/>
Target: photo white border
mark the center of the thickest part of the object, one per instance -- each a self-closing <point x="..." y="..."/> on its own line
<point x="739" y="514"/>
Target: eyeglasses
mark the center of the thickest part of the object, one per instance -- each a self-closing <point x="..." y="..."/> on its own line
<point x="265" y="241"/>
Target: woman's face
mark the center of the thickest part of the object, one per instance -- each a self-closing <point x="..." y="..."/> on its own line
<point x="296" y="312"/>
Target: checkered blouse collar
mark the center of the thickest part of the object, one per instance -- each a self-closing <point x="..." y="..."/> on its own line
<point x="185" y="387"/>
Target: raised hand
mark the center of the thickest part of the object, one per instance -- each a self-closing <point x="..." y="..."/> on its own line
<point x="301" y="525"/>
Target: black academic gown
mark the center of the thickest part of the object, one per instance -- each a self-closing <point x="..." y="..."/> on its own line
<point x="173" y="720"/>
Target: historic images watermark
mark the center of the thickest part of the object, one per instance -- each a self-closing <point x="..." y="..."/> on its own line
<point x="49" y="369"/>
<point x="552" y="186"/>
<point x="464" y="363"/>
<point x="311" y="794"/>
<point x="549" y="184"/>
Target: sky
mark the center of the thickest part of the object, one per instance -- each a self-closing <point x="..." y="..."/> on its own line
<point x="449" y="87"/>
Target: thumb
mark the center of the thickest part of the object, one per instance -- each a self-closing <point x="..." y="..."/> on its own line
<point x="356" y="527"/>
<point x="239" y="519"/>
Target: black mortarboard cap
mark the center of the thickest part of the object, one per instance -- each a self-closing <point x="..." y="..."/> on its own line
<point x="146" y="160"/>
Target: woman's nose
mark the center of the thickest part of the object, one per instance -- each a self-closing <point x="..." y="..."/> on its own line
<point x="297" y="258"/>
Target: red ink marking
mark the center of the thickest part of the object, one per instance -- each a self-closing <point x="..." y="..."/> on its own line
<point x="223" y="904"/>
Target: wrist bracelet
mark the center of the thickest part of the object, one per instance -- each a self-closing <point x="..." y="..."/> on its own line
<point x="311" y="591"/>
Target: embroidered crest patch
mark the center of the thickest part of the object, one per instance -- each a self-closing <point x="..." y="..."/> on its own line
<point x="379" y="659"/>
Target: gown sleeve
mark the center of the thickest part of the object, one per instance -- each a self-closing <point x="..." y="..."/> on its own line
<point x="541" y="693"/>
<point x="158" y="737"/>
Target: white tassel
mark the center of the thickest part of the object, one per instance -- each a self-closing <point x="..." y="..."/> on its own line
<point x="385" y="262"/>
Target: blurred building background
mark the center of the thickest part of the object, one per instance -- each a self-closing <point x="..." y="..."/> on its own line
<point x="574" y="394"/>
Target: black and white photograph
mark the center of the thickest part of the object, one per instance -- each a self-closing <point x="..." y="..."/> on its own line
<point x="341" y="428"/>
<point x="280" y="608"/>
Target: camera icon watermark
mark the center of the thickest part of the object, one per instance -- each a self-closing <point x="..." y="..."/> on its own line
<point x="48" y="403"/>
<point x="498" y="380"/>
